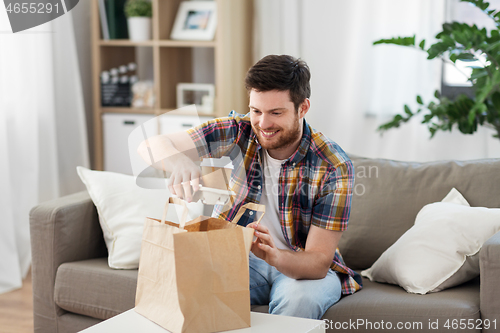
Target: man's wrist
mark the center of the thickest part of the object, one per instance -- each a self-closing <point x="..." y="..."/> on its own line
<point x="280" y="258"/>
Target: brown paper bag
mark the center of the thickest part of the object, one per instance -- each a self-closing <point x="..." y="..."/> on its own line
<point x="193" y="277"/>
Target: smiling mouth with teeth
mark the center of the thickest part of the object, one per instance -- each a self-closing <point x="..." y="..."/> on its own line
<point x="268" y="134"/>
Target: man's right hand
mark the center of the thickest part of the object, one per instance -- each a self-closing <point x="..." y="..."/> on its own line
<point x="174" y="153"/>
<point x="185" y="177"/>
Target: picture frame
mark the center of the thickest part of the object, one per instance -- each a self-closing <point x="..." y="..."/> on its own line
<point x="202" y="95"/>
<point x="195" y="20"/>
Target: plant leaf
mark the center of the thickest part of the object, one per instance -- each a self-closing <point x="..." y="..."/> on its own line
<point x="477" y="109"/>
<point x="403" y="41"/>
<point x="495" y="99"/>
<point x="408" y="111"/>
<point x="466" y="56"/>
<point x="436" y="50"/>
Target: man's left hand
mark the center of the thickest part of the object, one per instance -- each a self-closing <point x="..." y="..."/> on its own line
<point x="263" y="246"/>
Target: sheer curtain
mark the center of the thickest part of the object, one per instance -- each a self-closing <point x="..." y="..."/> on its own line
<point x="42" y="132"/>
<point x="357" y="86"/>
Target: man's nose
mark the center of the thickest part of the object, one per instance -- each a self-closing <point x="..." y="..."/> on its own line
<point x="265" y="122"/>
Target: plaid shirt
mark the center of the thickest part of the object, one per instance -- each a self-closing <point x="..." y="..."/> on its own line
<point x="316" y="183"/>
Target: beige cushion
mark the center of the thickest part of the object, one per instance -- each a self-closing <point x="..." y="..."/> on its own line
<point x="91" y="288"/>
<point x="72" y="322"/>
<point x="123" y="206"/>
<point x="377" y="301"/>
<point x="389" y="194"/>
<point x="432" y="255"/>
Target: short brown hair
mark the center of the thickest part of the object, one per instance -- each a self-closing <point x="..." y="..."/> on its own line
<point x="281" y="72"/>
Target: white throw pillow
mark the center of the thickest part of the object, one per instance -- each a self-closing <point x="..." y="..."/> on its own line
<point x="122" y="207"/>
<point x="441" y="250"/>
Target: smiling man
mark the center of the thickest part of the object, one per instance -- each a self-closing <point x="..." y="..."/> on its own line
<point x="304" y="179"/>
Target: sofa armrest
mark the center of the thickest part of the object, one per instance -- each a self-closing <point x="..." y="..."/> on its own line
<point x="489" y="261"/>
<point x="62" y="230"/>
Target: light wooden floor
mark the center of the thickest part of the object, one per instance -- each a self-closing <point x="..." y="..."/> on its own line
<point x="16" y="309"/>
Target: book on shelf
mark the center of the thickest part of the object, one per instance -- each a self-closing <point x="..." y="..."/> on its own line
<point x="113" y="20"/>
<point x="104" y="20"/>
<point x="117" y="22"/>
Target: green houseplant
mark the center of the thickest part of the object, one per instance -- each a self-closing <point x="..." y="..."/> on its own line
<point x="460" y="41"/>
<point x="138" y="8"/>
<point x="138" y="13"/>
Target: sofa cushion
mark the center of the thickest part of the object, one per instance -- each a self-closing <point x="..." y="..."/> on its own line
<point x="91" y="288"/>
<point x="123" y="202"/>
<point x="389" y="194"/>
<point x="72" y="322"/>
<point x="378" y="301"/>
<point x="441" y="250"/>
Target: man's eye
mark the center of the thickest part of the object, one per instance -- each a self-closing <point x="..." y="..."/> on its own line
<point x="276" y="113"/>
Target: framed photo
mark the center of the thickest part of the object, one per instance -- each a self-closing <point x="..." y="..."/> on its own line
<point x="195" y="20"/>
<point x="200" y="94"/>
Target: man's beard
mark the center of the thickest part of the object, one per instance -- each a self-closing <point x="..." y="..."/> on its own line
<point x="285" y="137"/>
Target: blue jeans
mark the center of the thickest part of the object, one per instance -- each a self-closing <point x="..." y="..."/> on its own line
<point x="290" y="297"/>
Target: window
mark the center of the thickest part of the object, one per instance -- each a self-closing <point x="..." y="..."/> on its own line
<point x="454" y="82"/>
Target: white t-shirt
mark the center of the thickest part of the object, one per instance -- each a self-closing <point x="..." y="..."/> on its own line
<point x="269" y="198"/>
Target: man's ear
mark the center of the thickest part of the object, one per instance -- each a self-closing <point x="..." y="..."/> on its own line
<point x="304" y="107"/>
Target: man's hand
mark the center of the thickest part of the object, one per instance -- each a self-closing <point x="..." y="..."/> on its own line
<point x="185" y="174"/>
<point x="174" y="153"/>
<point x="263" y="246"/>
<point x="312" y="263"/>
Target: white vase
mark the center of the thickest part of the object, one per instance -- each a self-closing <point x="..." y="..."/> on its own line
<point x="139" y="28"/>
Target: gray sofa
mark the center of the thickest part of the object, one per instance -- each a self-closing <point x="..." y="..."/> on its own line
<point x="73" y="287"/>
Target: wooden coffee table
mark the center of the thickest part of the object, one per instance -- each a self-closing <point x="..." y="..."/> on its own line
<point x="131" y="321"/>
